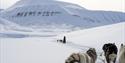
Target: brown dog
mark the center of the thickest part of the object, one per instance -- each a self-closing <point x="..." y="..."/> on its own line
<point x="89" y="57"/>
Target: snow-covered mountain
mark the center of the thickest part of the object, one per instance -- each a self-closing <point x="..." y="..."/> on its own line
<point x="47" y="50"/>
<point x="53" y="13"/>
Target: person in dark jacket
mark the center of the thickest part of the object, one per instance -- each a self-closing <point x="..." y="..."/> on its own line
<point x="64" y="39"/>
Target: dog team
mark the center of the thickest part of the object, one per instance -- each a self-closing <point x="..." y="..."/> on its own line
<point x="110" y="52"/>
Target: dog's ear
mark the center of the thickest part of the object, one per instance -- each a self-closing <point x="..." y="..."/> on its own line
<point x="104" y="46"/>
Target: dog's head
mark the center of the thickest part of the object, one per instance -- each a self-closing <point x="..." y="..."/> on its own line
<point x="122" y="47"/>
<point x="92" y="53"/>
<point x="110" y="48"/>
<point x="106" y="46"/>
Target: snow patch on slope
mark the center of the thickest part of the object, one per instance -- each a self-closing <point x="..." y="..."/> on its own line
<point x="6" y="25"/>
<point x="8" y="29"/>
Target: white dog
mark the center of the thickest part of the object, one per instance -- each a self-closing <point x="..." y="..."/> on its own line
<point x="122" y="54"/>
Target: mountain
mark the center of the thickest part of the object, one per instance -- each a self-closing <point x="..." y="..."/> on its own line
<point x="57" y="14"/>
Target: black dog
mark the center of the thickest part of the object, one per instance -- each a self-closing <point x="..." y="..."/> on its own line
<point x="110" y="51"/>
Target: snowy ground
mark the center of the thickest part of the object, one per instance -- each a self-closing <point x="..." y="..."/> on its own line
<point x="45" y="49"/>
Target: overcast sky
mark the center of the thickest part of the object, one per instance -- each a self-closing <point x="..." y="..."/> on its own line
<point x="109" y="5"/>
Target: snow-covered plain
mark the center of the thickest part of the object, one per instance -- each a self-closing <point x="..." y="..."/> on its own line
<point x="47" y="50"/>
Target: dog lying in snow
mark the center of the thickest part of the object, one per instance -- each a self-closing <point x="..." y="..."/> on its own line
<point x="89" y="57"/>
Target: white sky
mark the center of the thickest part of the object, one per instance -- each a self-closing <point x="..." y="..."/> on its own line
<point x="109" y="5"/>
